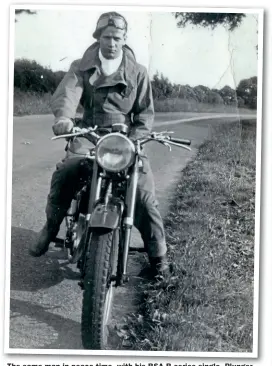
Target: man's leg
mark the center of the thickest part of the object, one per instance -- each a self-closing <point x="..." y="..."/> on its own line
<point x="64" y="184"/>
<point x="149" y="222"/>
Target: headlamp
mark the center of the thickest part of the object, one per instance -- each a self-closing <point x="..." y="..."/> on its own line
<point x="115" y="152"/>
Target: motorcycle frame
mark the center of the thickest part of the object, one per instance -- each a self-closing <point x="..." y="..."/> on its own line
<point x="125" y="210"/>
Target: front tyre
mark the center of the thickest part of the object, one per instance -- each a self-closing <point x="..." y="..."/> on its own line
<point x="100" y="266"/>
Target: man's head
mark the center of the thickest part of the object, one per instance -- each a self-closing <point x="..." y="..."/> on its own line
<point x="111" y="31"/>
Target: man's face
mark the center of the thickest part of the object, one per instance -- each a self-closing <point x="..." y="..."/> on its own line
<point x="111" y="42"/>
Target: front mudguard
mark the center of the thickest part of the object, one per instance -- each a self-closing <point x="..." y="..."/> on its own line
<point x="106" y="216"/>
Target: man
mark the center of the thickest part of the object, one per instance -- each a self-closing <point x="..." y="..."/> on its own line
<point x="112" y="87"/>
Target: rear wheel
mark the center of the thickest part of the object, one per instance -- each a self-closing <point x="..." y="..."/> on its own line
<point x="100" y="266"/>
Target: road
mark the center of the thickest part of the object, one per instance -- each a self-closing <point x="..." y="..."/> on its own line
<point x="45" y="300"/>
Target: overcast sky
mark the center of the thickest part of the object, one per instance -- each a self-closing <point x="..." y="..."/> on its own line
<point x="192" y="55"/>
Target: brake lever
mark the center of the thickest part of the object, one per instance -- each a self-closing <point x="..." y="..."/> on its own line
<point x="161" y="134"/>
<point x="163" y="142"/>
<point x="167" y="145"/>
<point x="179" y="145"/>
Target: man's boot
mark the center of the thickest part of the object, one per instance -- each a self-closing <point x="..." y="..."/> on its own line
<point x="159" y="267"/>
<point x="48" y="232"/>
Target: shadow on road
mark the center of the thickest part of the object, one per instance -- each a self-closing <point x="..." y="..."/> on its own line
<point x="69" y="334"/>
<point x="32" y="274"/>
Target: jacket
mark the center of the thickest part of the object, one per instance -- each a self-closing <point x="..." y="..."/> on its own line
<point x="125" y="96"/>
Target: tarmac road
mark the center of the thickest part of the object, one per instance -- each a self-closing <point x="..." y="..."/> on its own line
<point x="45" y="300"/>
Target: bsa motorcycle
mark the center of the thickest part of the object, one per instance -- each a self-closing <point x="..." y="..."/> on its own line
<point x="100" y="219"/>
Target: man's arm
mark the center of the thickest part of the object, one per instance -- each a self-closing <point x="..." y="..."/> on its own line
<point x="143" y="109"/>
<point x="66" y="99"/>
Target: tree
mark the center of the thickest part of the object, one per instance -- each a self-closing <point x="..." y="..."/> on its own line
<point x="30" y="76"/>
<point x="247" y="90"/>
<point x="59" y="75"/>
<point x="213" y="98"/>
<point x="201" y="92"/>
<point x="161" y="87"/>
<point x="21" y="11"/>
<point x="228" y="94"/>
<point x="27" y="11"/>
<point x="212" y="20"/>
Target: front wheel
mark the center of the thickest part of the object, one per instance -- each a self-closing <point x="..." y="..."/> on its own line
<point x="100" y="266"/>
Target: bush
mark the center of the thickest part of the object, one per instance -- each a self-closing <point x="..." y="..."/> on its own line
<point x="30" y="76"/>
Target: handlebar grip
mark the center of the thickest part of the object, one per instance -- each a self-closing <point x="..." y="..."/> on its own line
<point x="180" y="141"/>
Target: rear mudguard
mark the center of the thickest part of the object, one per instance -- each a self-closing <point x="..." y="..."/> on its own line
<point x="106" y="216"/>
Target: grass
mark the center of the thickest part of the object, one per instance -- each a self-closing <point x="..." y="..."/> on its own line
<point x="27" y="103"/>
<point x="208" y="304"/>
<point x="191" y="105"/>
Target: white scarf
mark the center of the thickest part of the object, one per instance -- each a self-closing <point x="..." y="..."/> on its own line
<point x="110" y="66"/>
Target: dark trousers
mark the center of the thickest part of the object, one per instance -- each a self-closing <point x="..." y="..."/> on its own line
<point x="72" y="172"/>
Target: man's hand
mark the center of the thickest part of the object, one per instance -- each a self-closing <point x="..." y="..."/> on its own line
<point x="62" y="126"/>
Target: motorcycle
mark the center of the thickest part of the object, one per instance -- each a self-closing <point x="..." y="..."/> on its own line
<point x="100" y="219"/>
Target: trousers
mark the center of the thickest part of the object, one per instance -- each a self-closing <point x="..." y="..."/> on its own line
<point x="73" y="171"/>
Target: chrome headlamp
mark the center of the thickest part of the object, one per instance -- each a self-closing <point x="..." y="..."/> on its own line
<point x="115" y="152"/>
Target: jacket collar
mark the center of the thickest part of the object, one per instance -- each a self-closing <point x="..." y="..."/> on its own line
<point x="126" y="74"/>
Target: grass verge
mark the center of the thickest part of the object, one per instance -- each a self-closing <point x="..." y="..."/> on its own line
<point x="208" y="305"/>
<point x="191" y="105"/>
<point x="27" y="103"/>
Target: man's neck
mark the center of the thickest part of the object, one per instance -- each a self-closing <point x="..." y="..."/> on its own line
<point x="109" y="66"/>
<point x="104" y="59"/>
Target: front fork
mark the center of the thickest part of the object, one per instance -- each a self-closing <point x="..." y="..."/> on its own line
<point x="128" y="220"/>
<point x="95" y="190"/>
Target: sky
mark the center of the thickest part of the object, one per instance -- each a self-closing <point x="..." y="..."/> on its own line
<point x="54" y="37"/>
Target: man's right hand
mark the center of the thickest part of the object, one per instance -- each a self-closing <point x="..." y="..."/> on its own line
<point x="62" y="126"/>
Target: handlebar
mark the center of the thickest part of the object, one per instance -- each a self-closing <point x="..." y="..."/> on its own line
<point x="78" y="132"/>
<point x="161" y="137"/>
<point x="180" y="141"/>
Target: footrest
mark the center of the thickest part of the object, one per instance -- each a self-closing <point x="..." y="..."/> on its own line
<point x="137" y="249"/>
<point x="59" y="243"/>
